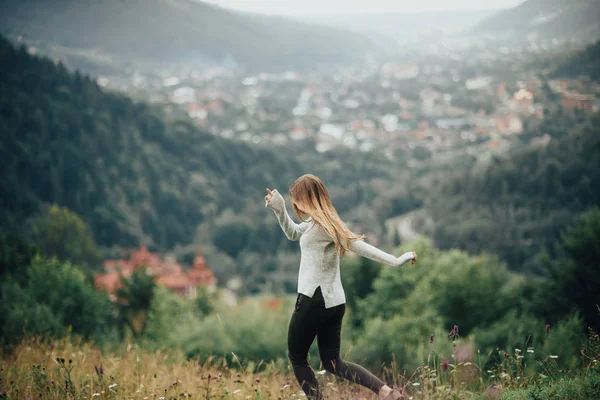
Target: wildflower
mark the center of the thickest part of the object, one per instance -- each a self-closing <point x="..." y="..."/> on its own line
<point x="96" y="395"/>
<point x="284" y="387"/>
<point x="454" y="332"/>
<point x="416" y="384"/>
<point x="445" y="365"/>
<point x="547" y="329"/>
<point x="234" y="392"/>
<point x="99" y="370"/>
<point x="114" y="385"/>
<point x="322" y="372"/>
<point x="530" y="350"/>
<point x="431" y="338"/>
<point x="257" y="379"/>
<point x="70" y="360"/>
<point x="505" y="355"/>
<point x="553" y="356"/>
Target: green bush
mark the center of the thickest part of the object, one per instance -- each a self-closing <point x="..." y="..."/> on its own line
<point x="403" y="340"/>
<point x="55" y="298"/>
<point x="250" y="330"/>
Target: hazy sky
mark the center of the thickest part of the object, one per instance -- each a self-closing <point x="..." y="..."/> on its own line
<point x="300" y="7"/>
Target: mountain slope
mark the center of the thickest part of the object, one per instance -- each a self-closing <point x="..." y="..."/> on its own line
<point x="131" y="176"/>
<point x="168" y="31"/>
<point x="517" y="207"/>
<point x="399" y="26"/>
<point x="582" y="63"/>
<point x="561" y="19"/>
<point x="135" y="177"/>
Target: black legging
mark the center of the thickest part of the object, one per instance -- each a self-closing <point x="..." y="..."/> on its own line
<point x="310" y="319"/>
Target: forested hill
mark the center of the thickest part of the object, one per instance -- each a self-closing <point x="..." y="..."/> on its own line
<point x="168" y="31"/>
<point x="583" y="63"/>
<point x="550" y="19"/>
<point x="517" y="207"/>
<point x="132" y="176"/>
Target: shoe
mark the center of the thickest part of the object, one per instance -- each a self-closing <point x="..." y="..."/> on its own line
<point x="394" y="395"/>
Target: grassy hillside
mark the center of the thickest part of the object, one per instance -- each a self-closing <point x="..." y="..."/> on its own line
<point x="167" y="31"/>
<point x="562" y="19"/>
<point x="60" y="369"/>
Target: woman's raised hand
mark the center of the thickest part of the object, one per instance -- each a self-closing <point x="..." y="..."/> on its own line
<point x="409" y="256"/>
<point x="269" y="195"/>
<point x="273" y="199"/>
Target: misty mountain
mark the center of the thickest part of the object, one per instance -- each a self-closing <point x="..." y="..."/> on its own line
<point x="399" y="26"/>
<point x="550" y="19"/>
<point x="170" y="31"/>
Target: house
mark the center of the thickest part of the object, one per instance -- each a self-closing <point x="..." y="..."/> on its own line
<point x="167" y="272"/>
<point x="196" y="111"/>
<point x="576" y="100"/>
<point x="510" y="124"/>
<point x="400" y="71"/>
<point x="478" y="83"/>
<point x="523" y="99"/>
<point x="183" y="95"/>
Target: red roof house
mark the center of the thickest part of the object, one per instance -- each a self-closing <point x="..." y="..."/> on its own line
<point x="167" y="272"/>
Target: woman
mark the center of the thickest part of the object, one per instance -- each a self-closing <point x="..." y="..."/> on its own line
<point x="320" y="305"/>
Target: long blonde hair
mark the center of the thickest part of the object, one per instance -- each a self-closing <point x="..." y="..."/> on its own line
<point x="310" y="198"/>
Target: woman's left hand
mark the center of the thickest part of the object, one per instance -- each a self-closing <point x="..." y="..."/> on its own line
<point x="409" y="256"/>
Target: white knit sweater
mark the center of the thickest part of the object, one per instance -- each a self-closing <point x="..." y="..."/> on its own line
<point x="319" y="259"/>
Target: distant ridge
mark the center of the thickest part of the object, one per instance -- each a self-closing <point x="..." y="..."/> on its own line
<point x="396" y="24"/>
<point x="168" y="31"/>
<point x="550" y="19"/>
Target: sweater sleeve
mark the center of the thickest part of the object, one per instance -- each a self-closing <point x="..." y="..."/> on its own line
<point x="366" y="250"/>
<point x="292" y="230"/>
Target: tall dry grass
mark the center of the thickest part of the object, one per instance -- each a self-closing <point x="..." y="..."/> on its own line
<point x="65" y="369"/>
<point x="73" y="369"/>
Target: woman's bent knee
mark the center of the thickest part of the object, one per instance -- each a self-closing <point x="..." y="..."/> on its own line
<point x="298" y="360"/>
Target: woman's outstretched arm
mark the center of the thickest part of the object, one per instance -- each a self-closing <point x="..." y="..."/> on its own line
<point x="364" y="249"/>
<point x="274" y="200"/>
